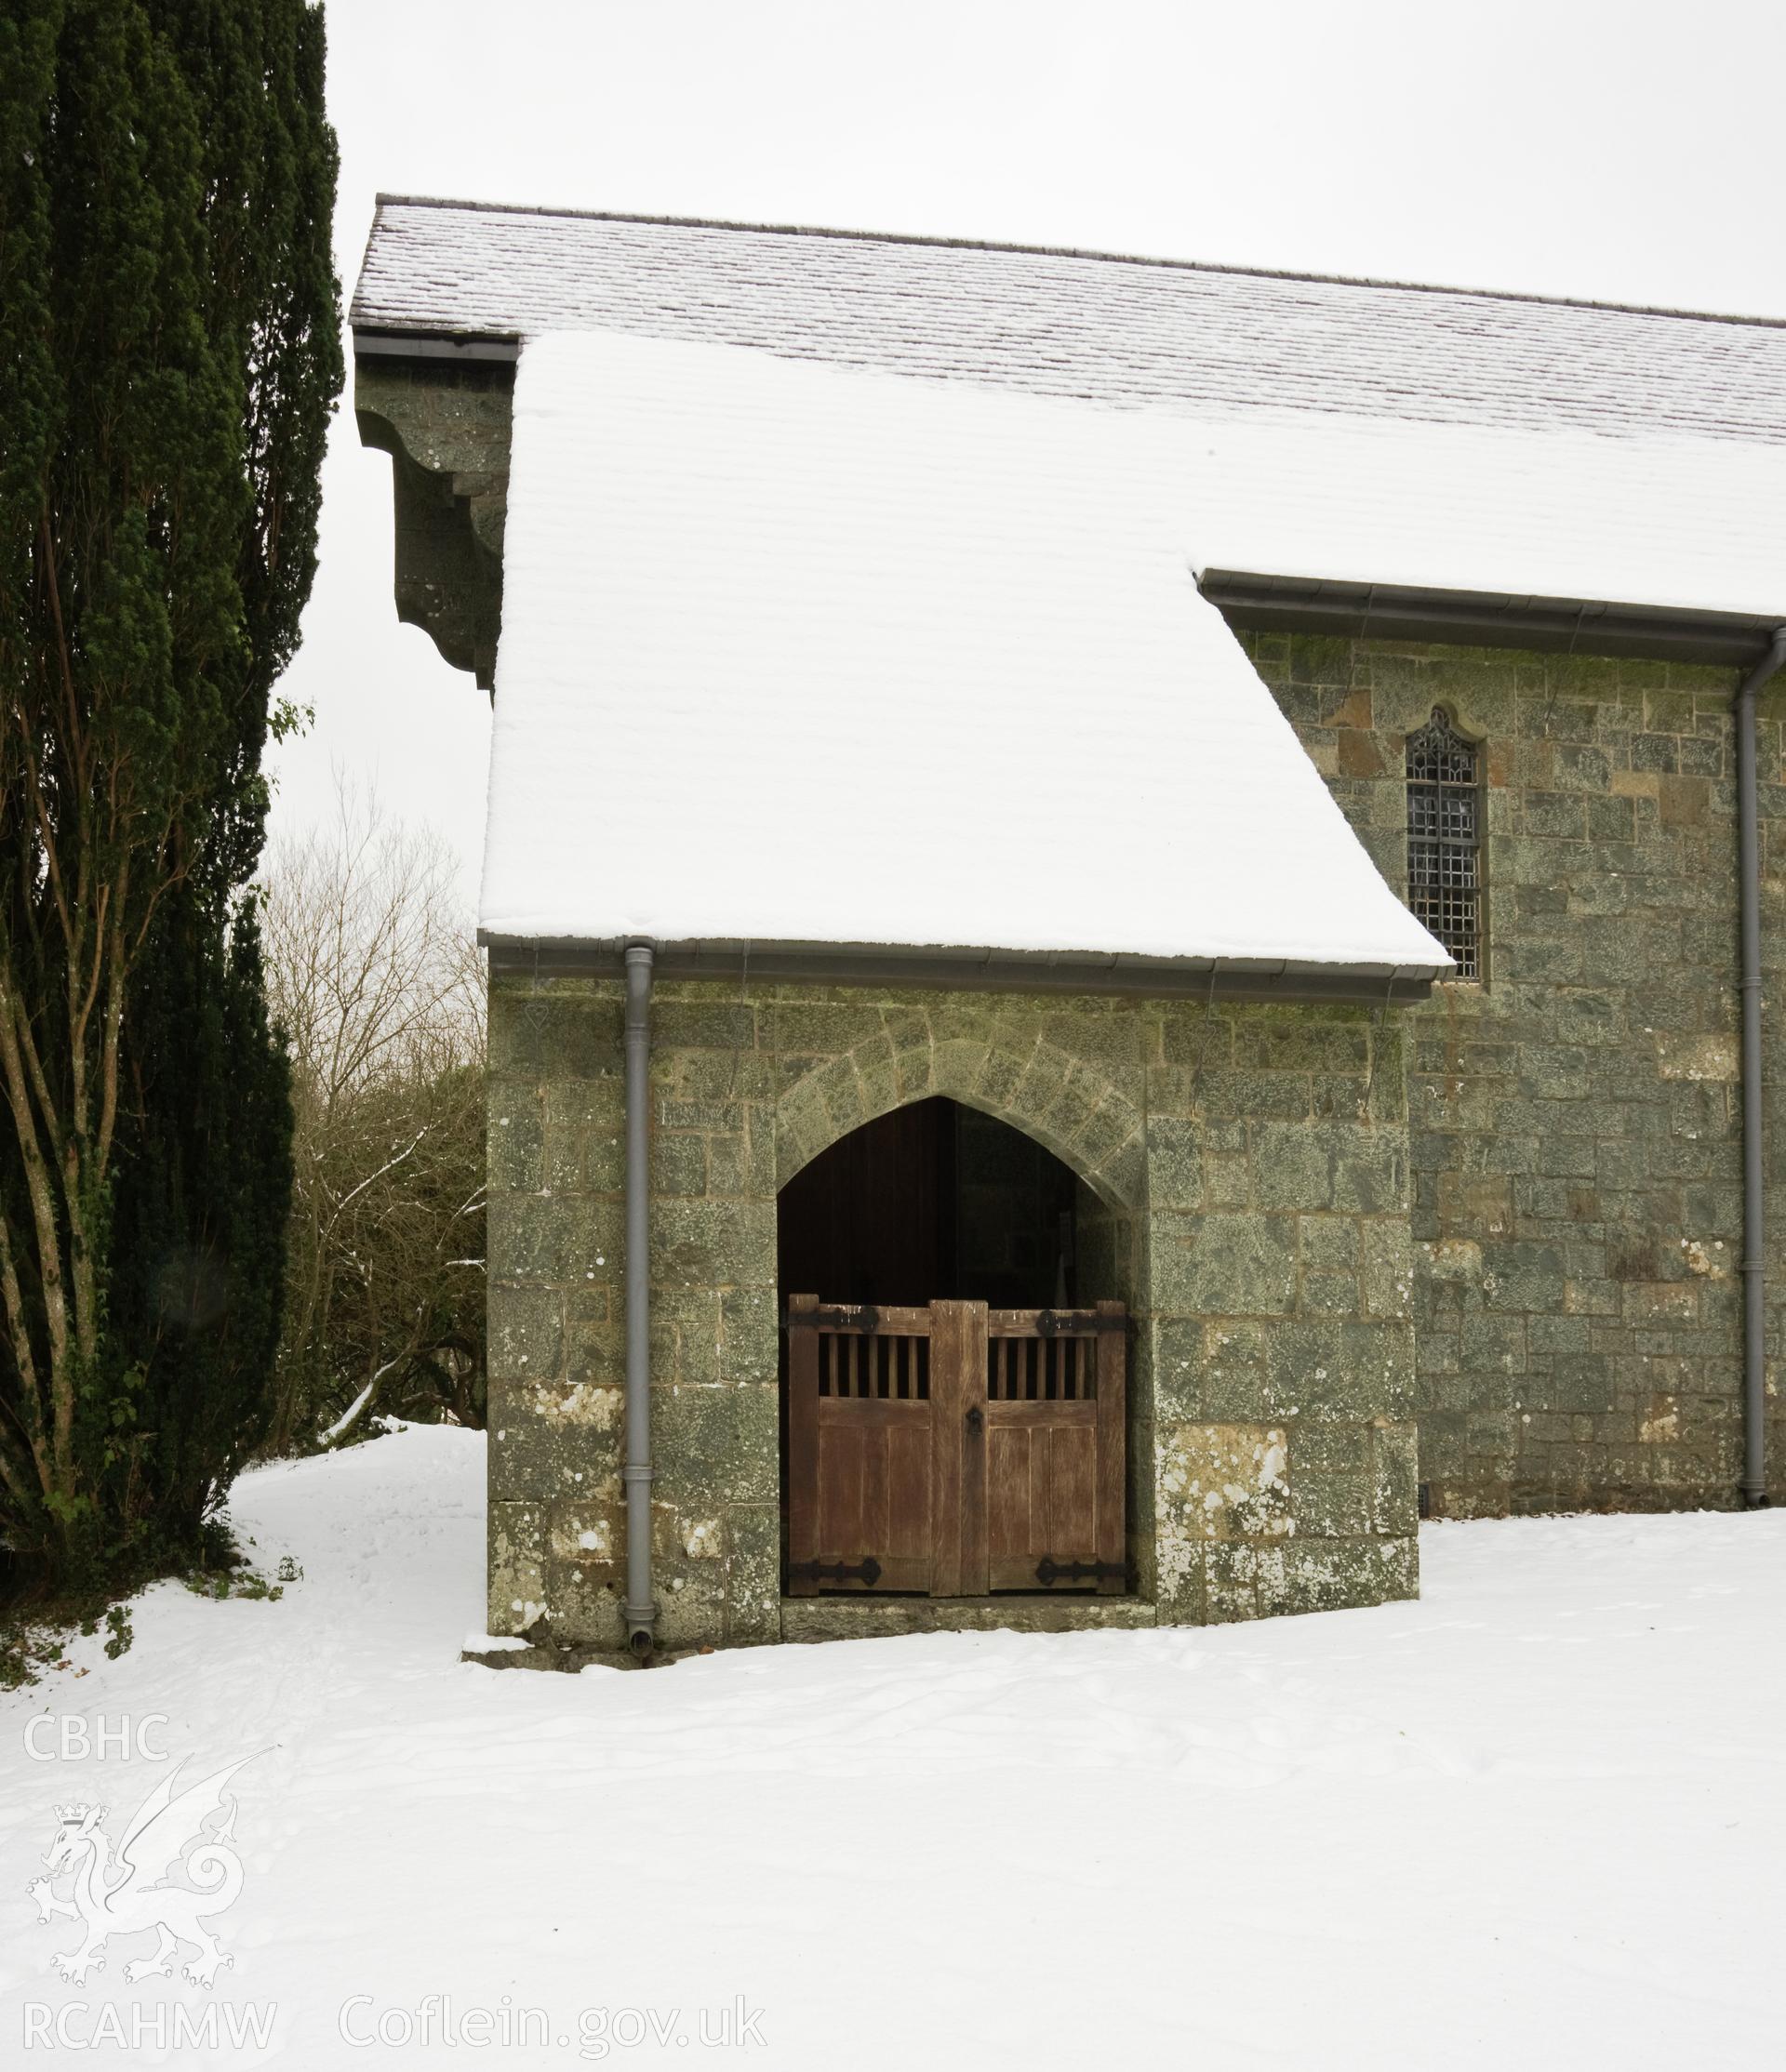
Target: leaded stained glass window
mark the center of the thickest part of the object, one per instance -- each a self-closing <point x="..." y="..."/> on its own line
<point x="1444" y="840"/>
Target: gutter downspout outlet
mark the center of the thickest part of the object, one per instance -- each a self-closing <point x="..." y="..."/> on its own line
<point x="1754" y="1315"/>
<point x="639" y="1608"/>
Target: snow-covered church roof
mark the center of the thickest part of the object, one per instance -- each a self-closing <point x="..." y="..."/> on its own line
<point x="850" y="595"/>
<point x="1151" y="335"/>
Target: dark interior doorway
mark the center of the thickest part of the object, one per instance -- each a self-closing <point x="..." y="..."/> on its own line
<point x="934" y="1202"/>
<point x="932" y="1268"/>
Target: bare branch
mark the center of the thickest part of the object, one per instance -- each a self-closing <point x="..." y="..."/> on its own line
<point x="375" y="978"/>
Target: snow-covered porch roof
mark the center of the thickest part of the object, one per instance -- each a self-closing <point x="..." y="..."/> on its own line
<point x="802" y="656"/>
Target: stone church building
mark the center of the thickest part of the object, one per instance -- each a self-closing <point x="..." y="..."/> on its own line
<point x="1128" y="908"/>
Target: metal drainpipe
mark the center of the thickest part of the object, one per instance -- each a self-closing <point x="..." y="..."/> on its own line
<point x="1755" y="1356"/>
<point x="640" y="1609"/>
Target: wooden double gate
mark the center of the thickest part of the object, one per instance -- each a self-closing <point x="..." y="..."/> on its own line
<point x="954" y="1450"/>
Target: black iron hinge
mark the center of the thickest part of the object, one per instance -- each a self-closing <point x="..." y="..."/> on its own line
<point x="1077" y="1323"/>
<point x="867" y="1572"/>
<point x="841" y="1316"/>
<point x="1049" y="1571"/>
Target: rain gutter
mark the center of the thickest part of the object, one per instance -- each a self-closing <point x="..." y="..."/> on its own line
<point x="985" y="970"/>
<point x="1260" y="602"/>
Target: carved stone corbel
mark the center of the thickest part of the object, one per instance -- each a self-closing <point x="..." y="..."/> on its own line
<point x="447" y="427"/>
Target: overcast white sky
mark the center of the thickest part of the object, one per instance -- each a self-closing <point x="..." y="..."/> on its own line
<point x="1625" y="153"/>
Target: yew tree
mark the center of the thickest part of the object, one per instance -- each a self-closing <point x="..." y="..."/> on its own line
<point x="169" y="356"/>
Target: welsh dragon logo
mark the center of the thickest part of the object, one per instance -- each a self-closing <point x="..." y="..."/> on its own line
<point x="127" y="1895"/>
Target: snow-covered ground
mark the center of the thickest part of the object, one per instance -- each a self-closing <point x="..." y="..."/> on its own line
<point x="1537" y="1818"/>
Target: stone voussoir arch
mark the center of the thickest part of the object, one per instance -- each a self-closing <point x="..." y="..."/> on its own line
<point x="1069" y="1103"/>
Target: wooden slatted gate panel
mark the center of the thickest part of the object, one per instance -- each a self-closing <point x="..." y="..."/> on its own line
<point x="863" y="1484"/>
<point x="955" y="1450"/>
<point x="1053" y="1471"/>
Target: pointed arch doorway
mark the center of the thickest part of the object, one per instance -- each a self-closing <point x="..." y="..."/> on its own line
<point x="954" y="1396"/>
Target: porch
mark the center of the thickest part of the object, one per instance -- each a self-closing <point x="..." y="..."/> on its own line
<point x="1232" y="1175"/>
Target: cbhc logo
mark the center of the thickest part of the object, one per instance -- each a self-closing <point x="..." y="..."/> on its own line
<point x="69" y="1738"/>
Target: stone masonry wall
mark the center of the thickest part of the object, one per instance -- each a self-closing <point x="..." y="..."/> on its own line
<point x="1246" y="1191"/>
<point x="1576" y="1118"/>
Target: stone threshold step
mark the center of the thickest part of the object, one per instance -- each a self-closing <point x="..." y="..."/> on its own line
<point x="847" y="1617"/>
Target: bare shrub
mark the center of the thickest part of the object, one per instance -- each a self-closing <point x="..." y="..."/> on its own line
<point x="377" y="983"/>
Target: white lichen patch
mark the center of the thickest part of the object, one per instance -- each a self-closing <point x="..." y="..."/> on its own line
<point x="583" y="1534"/>
<point x="596" y="1407"/>
<point x="517" y="1581"/>
<point x="1224" y="1482"/>
<point x="1700" y="1258"/>
<point x="1700" y="1057"/>
<point x="1661" y="1423"/>
<point x="1178" y="1556"/>
<point x="702" y="1542"/>
<point x="1454" y="1259"/>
